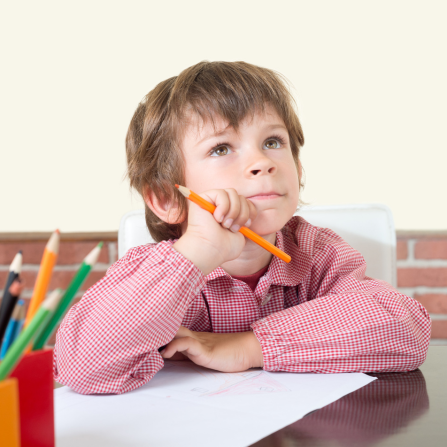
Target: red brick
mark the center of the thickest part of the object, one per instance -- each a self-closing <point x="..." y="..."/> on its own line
<point x="115" y="257"/>
<point x="32" y="252"/>
<point x="431" y="249"/>
<point x="414" y="276"/>
<point x="435" y="303"/>
<point x="63" y="278"/>
<point x="28" y="278"/>
<point x="70" y="252"/>
<point x="59" y="279"/>
<point x="402" y="249"/>
<point x="92" y="279"/>
<point x="439" y="329"/>
<point x="75" y="252"/>
<point x="3" y="277"/>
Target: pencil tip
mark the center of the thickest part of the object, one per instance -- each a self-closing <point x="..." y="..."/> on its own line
<point x="176" y="185"/>
<point x="100" y="244"/>
<point x="57" y="231"/>
<point x="20" y="252"/>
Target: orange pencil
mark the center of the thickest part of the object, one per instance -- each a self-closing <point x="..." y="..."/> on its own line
<point x="44" y="276"/>
<point x="244" y="230"/>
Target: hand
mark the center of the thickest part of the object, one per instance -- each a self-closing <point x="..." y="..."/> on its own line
<point x="222" y="352"/>
<point x="210" y="240"/>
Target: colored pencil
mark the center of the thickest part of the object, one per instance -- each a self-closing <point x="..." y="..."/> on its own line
<point x="62" y="308"/>
<point x="244" y="230"/>
<point x="44" y="276"/>
<point x="17" y="349"/>
<point x="9" y="301"/>
<point x="20" y="324"/>
<point x="11" y="329"/>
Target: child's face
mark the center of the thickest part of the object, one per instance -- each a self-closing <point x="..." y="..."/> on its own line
<point x="256" y="161"/>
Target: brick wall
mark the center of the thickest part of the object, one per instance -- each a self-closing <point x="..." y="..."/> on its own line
<point x="73" y="249"/>
<point x="421" y="266"/>
<point x="422" y="274"/>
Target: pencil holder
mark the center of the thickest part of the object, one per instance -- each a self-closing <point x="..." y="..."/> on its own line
<point x="9" y="413"/>
<point x="34" y="374"/>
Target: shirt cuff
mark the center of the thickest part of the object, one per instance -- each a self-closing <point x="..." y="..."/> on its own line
<point x="269" y="346"/>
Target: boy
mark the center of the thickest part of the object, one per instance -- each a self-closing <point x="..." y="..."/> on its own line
<point x="228" y="131"/>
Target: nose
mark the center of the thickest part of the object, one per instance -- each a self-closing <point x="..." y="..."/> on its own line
<point x="261" y="165"/>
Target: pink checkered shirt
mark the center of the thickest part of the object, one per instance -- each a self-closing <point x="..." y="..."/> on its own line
<point x="319" y="313"/>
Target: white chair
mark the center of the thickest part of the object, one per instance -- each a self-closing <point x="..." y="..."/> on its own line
<point x="369" y="228"/>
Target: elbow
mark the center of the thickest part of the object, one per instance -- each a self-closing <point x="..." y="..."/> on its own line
<point x="413" y="348"/>
<point x="92" y="375"/>
<point x="415" y="339"/>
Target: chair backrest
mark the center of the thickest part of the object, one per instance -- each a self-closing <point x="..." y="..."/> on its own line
<point x="369" y="228"/>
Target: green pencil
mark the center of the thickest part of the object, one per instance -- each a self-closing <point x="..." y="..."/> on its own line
<point x="69" y="294"/>
<point x="16" y="350"/>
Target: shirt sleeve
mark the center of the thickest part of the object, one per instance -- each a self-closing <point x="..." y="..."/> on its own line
<point x="108" y="342"/>
<point x="348" y="322"/>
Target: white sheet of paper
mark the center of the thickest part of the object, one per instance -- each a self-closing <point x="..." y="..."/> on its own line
<point x="190" y="406"/>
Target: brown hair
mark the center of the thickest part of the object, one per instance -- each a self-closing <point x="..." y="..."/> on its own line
<point x="231" y="90"/>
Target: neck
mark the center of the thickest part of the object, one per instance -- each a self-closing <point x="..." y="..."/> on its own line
<point x="252" y="259"/>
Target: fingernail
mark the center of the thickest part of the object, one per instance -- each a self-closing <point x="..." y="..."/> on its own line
<point x="221" y="219"/>
<point x="248" y="223"/>
<point x="228" y="223"/>
<point x="235" y="228"/>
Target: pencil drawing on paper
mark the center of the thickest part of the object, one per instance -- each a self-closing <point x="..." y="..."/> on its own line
<point x="217" y="383"/>
<point x="256" y="383"/>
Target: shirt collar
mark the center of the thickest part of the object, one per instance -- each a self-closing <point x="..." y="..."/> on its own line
<point x="280" y="272"/>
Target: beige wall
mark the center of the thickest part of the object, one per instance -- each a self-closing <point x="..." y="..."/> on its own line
<point x="369" y="78"/>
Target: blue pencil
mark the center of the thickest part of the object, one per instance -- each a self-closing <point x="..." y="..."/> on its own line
<point x="11" y="329"/>
<point x="20" y="323"/>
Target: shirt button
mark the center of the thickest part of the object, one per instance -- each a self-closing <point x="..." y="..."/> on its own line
<point x="266" y="299"/>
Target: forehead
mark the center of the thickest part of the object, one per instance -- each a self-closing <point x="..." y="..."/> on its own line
<point x="197" y="128"/>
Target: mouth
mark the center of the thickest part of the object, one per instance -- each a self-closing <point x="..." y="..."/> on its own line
<point x="266" y="196"/>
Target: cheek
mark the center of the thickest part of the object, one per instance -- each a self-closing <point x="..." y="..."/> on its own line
<point x="205" y="176"/>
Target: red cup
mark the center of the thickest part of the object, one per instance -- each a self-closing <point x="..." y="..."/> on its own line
<point x="34" y="373"/>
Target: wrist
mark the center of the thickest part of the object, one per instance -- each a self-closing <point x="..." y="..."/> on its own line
<point x="203" y="256"/>
<point x="254" y="350"/>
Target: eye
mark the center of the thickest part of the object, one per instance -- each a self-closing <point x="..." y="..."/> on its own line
<point x="272" y="144"/>
<point x="220" y="150"/>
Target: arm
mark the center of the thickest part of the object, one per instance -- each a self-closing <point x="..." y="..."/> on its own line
<point x="108" y="342"/>
<point x="349" y="323"/>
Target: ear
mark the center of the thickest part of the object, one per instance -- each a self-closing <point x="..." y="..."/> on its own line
<point x="167" y="211"/>
<point x="300" y="171"/>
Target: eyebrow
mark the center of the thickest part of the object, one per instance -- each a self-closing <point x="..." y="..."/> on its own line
<point x="270" y="127"/>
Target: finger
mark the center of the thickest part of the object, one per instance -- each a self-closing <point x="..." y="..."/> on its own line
<point x="244" y="215"/>
<point x="182" y="332"/>
<point x="219" y="198"/>
<point x="179" y="356"/>
<point x="253" y="212"/>
<point x="186" y="345"/>
<point x="235" y="207"/>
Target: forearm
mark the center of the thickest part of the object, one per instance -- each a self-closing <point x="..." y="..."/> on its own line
<point x="227" y="352"/>
<point x="108" y="342"/>
<point x="351" y="332"/>
<point x="254" y="350"/>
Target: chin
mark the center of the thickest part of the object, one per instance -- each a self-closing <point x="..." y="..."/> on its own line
<point x="268" y="224"/>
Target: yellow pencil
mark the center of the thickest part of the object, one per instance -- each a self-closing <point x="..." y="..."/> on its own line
<point x="44" y="276"/>
<point x="244" y="230"/>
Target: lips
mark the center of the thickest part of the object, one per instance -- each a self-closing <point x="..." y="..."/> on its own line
<point x="265" y="195"/>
